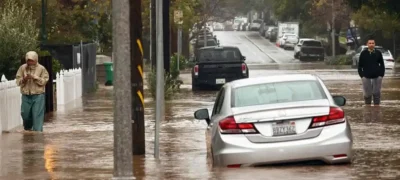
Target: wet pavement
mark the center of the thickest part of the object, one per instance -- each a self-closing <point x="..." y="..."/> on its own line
<point x="77" y="142"/>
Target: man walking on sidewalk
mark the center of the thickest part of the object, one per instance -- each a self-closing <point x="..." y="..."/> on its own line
<point x="32" y="79"/>
<point x="371" y="69"/>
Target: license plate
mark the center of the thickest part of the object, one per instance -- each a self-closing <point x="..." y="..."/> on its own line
<point x="220" y="81"/>
<point x="281" y="129"/>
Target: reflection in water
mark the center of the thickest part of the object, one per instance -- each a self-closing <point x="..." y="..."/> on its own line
<point x="372" y="114"/>
<point x="49" y="153"/>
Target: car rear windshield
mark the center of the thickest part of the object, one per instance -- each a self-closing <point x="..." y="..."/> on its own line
<point x="312" y="43"/>
<point x="279" y="92"/>
<point x="257" y="21"/>
<point x="383" y="51"/>
<point x="225" y="54"/>
<point x="209" y="43"/>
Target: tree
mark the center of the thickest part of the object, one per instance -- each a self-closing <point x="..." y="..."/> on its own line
<point x="380" y="18"/>
<point x="323" y="10"/>
<point x="18" y="35"/>
<point x="70" y="21"/>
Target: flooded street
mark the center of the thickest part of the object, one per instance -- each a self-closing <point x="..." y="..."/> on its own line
<point x="77" y="142"/>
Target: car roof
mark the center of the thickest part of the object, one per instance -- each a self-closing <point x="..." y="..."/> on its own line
<point x="219" y="47"/>
<point x="306" y="39"/>
<point x="364" y="46"/>
<point x="272" y="79"/>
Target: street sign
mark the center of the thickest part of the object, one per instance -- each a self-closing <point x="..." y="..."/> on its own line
<point x="178" y="15"/>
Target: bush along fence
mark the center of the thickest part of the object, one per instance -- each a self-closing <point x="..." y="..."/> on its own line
<point x="10" y="103"/>
<point x="69" y="86"/>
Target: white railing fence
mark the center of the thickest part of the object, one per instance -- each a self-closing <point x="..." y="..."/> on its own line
<point x="68" y="86"/>
<point x="10" y="105"/>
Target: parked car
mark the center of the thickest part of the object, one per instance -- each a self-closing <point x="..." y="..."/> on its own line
<point x="255" y="25"/>
<point x="297" y="47"/>
<point x="268" y="32"/>
<point x="277" y="119"/>
<point x="310" y="50"/>
<point x="387" y="56"/>
<point x="263" y="29"/>
<point x="218" y="65"/>
<point x="218" y="27"/>
<point x="200" y="44"/>
<point x="288" y="41"/>
<point x="274" y="35"/>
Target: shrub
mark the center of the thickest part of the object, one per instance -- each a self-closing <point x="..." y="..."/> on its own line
<point x="171" y="81"/>
<point x="340" y="60"/>
<point x="18" y="35"/>
<point x="57" y="66"/>
<point x="170" y="85"/>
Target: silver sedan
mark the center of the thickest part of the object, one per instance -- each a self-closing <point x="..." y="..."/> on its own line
<point x="277" y="119"/>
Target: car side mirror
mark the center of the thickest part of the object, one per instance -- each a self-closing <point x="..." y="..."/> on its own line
<point x="339" y="100"/>
<point x="202" y="114"/>
<point x="243" y="58"/>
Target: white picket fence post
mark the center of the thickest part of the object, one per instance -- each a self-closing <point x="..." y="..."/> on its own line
<point x="10" y="103"/>
<point x="69" y="86"/>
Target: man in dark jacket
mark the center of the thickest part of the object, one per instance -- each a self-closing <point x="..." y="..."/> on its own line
<point x="371" y="69"/>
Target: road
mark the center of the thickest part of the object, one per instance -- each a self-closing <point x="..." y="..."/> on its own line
<point x="77" y="142"/>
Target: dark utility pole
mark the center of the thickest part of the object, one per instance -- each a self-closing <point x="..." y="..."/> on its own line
<point x="43" y="25"/>
<point x="153" y="42"/>
<point x="166" y="33"/>
<point x="138" y="138"/>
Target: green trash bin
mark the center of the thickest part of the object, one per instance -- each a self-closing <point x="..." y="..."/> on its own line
<point x="109" y="73"/>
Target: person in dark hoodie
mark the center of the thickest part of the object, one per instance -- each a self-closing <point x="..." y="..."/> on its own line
<point x="371" y="69"/>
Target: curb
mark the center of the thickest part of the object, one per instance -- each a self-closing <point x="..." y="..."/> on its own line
<point x="258" y="47"/>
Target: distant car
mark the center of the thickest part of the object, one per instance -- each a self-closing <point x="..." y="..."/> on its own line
<point x="263" y="29"/>
<point x="310" y="50"/>
<point x="255" y="25"/>
<point x="274" y="35"/>
<point x="288" y="41"/>
<point x="218" y="65"/>
<point x="277" y="119"/>
<point x="268" y="32"/>
<point x="387" y="56"/>
<point x="218" y="27"/>
<point x="297" y="47"/>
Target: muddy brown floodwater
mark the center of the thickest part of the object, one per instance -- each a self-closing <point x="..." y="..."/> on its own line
<point x="78" y="143"/>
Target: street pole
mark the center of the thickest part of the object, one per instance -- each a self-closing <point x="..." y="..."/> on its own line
<point x="205" y="34"/>
<point x="333" y="31"/>
<point x="166" y="35"/>
<point x="153" y="40"/>
<point x="160" y="77"/>
<point x="179" y="45"/>
<point x="123" y="165"/>
<point x="43" y="25"/>
<point x="138" y="134"/>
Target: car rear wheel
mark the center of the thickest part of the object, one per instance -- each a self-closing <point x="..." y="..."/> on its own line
<point x="301" y="58"/>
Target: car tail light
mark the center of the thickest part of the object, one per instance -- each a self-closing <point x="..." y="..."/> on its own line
<point x="229" y="126"/>
<point x="196" y="70"/>
<point x="391" y="60"/>
<point x="244" y="68"/>
<point x="234" y="166"/>
<point x="336" y="115"/>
